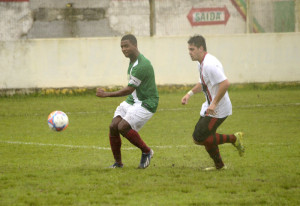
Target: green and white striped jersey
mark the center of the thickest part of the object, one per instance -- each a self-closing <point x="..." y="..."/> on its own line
<point x="141" y="77"/>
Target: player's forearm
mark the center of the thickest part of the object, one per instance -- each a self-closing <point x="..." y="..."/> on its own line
<point x="123" y="92"/>
<point x="223" y="87"/>
<point x="197" y="88"/>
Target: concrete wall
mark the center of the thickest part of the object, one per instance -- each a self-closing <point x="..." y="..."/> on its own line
<point x="65" y="18"/>
<point x="94" y="18"/>
<point x="171" y="18"/>
<point x="16" y="20"/>
<point x="99" y="61"/>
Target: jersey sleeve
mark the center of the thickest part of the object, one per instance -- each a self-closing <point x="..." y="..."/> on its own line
<point x="136" y="77"/>
<point x="199" y="69"/>
<point x="216" y="74"/>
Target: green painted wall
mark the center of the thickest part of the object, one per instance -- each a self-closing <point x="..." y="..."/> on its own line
<point x="284" y="14"/>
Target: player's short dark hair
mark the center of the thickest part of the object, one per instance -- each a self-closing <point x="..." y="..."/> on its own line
<point x="131" y="38"/>
<point x="198" y="41"/>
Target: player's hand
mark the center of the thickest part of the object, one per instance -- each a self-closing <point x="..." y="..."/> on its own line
<point x="100" y="92"/>
<point x="185" y="99"/>
<point x="211" y="110"/>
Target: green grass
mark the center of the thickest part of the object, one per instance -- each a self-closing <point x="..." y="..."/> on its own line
<point x="42" y="167"/>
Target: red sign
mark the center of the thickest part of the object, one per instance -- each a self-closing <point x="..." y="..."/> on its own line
<point x="208" y="16"/>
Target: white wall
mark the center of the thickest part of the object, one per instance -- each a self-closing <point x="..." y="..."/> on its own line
<point x="93" y="62"/>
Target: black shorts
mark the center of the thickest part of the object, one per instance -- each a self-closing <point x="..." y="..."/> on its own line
<point x="205" y="127"/>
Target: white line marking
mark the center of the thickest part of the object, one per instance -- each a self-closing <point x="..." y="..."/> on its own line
<point x="56" y="145"/>
<point x="87" y="147"/>
<point x="267" y="105"/>
<point x="189" y="108"/>
<point x="159" y="110"/>
<point x="123" y="148"/>
<point x="196" y="108"/>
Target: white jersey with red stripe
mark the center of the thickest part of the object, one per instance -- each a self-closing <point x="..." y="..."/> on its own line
<point x="211" y="74"/>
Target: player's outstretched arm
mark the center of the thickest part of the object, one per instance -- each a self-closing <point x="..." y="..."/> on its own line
<point x="122" y="92"/>
<point x="196" y="89"/>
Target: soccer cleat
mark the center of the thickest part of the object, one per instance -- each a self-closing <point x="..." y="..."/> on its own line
<point x="145" y="160"/>
<point x="239" y="143"/>
<point x="116" y="165"/>
<point x="214" y="168"/>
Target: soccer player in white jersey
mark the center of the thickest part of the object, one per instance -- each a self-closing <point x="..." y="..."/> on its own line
<point x="140" y="105"/>
<point x="217" y="107"/>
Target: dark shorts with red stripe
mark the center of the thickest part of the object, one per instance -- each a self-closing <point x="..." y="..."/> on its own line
<point x="205" y="127"/>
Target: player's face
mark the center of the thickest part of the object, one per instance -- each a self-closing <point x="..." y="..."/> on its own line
<point x="128" y="48"/>
<point x="194" y="52"/>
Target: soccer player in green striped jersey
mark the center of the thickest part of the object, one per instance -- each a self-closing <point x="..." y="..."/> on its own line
<point x="140" y="105"/>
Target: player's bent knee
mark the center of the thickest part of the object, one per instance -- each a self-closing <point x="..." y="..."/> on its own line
<point x="113" y="127"/>
<point x="123" y="127"/>
<point x="200" y="135"/>
<point x="197" y="142"/>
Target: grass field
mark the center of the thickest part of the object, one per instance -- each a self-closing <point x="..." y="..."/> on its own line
<point x="42" y="167"/>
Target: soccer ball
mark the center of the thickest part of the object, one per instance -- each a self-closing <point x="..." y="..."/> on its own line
<point x="58" y="121"/>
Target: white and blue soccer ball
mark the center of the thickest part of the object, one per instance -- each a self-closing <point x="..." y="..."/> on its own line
<point x="58" y="121"/>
